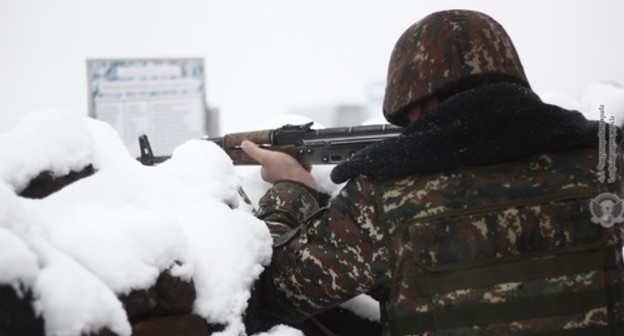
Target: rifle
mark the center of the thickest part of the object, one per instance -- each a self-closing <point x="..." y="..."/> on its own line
<point x="308" y="146"/>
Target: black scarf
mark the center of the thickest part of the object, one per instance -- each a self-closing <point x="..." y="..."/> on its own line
<point x="487" y="125"/>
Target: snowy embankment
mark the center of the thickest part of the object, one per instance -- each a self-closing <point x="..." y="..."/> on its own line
<point x="115" y="231"/>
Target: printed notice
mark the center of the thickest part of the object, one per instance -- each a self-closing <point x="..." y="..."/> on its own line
<point x="163" y="98"/>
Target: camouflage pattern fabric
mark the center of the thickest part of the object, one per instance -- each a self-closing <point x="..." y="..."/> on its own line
<point x="421" y="64"/>
<point x="494" y="250"/>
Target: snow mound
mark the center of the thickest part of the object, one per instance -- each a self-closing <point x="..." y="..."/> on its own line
<point x="115" y="231"/>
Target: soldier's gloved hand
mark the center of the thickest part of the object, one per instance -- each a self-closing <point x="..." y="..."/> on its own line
<point x="278" y="166"/>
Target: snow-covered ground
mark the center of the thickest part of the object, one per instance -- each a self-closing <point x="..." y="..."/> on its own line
<point x="117" y="230"/>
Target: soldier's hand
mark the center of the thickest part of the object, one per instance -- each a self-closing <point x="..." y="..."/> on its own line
<point x="278" y="166"/>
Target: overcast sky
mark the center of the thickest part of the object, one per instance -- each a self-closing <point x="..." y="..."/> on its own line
<point x="271" y="56"/>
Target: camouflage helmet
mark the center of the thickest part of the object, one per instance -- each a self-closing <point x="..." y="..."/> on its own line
<point x="442" y="50"/>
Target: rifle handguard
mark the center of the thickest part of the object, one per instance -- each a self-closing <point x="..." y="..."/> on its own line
<point x="234" y="140"/>
<point x="240" y="158"/>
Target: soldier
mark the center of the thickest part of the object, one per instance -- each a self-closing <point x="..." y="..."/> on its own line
<point x="475" y="221"/>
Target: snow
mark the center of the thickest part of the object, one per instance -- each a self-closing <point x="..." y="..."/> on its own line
<point x="609" y="96"/>
<point x="595" y="95"/>
<point x="380" y="120"/>
<point x="281" y="330"/>
<point x="19" y="264"/>
<point x="50" y="140"/>
<point x="73" y="300"/>
<point x="364" y="306"/>
<point x="561" y="98"/>
<point x="115" y="231"/>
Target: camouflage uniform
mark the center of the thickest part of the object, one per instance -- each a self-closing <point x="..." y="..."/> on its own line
<point x="460" y="252"/>
<point x="485" y="231"/>
<point x="485" y="248"/>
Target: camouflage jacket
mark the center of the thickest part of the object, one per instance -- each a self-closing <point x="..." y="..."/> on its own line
<point x="502" y="248"/>
<point x="446" y="251"/>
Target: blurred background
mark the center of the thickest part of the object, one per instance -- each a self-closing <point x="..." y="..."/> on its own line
<point x="322" y="59"/>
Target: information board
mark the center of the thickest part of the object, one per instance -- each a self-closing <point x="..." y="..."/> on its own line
<point x="163" y="98"/>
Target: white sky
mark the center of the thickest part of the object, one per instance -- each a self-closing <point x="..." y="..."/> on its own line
<point x="267" y="57"/>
